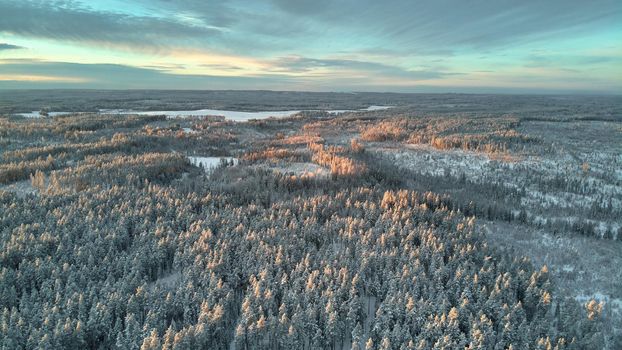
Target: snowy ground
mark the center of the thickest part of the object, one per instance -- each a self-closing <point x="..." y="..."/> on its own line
<point x="536" y="175"/>
<point x="430" y="161"/>
<point x="582" y="268"/>
<point x="210" y="163"/>
<point x="167" y="281"/>
<point x="21" y="188"/>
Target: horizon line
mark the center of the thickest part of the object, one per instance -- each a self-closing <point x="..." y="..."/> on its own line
<point x="502" y="92"/>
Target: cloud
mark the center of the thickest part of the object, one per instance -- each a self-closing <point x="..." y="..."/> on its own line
<point x="298" y="64"/>
<point x="561" y="61"/>
<point x="215" y="13"/>
<point x="222" y="67"/>
<point x="303" y="7"/>
<point x="5" y="46"/>
<point x="322" y="44"/>
<point x="37" y="74"/>
<point x="25" y="73"/>
<point x="74" y="23"/>
<point x="41" y="74"/>
<point x="418" y="25"/>
<point x="311" y="27"/>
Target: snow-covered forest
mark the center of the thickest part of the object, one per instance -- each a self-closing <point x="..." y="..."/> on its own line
<point x="380" y="229"/>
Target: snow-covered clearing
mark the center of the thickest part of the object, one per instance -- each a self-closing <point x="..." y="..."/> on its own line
<point x="210" y="163"/>
<point x="168" y="281"/>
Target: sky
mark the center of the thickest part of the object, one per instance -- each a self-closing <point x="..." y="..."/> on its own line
<point x="503" y="46"/>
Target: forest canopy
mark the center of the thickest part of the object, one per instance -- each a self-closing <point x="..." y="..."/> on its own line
<point x="121" y="243"/>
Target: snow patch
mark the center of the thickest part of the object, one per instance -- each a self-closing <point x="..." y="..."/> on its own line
<point x="210" y="163"/>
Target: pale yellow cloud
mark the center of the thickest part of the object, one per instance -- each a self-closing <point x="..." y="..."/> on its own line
<point x="41" y="78"/>
<point x="214" y="63"/>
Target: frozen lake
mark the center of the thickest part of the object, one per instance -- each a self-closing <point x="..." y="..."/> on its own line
<point x="233" y="115"/>
<point x="37" y="114"/>
<point x="370" y="108"/>
<point x="229" y="115"/>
